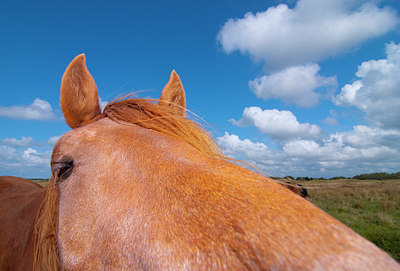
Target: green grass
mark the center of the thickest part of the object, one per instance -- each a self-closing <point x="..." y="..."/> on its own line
<point x="369" y="207"/>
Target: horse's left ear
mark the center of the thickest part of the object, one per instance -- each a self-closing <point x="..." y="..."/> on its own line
<point x="79" y="99"/>
<point x="173" y="94"/>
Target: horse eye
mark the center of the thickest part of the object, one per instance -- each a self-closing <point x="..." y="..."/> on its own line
<point x="64" y="172"/>
<point x="63" y="169"/>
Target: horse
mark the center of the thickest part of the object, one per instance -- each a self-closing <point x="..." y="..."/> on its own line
<point x="139" y="186"/>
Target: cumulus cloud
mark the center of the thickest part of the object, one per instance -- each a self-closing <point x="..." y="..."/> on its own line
<point x="232" y="145"/>
<point x="6" y="153"/>
<point x="24" y="162"/>
<point x="364" y="137"/>
<point x="289" y="41"/>
<point x="19" y="158"/>
<point x="281" y="125"/>
<point x="311" y="31"/>
<point x="363" y="146"/>
<point x="34" y="158"/>
<point x="294" y="85"/>
<point x="23" y="142"/>
<point x="38" y="110"/>
<point x="377" y="92"/>
<point x="363" y="149"/>
<point x="255" y="152"/>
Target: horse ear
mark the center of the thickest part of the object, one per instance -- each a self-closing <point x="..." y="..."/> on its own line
<point x="173" y="94"/>
<point x="79" y="99"/>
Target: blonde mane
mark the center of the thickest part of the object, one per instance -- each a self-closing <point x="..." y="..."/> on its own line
<point x="163" y="119"/>
<point x="45" y="232"/>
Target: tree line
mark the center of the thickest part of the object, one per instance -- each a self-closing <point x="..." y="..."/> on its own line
<point x="369" y="176"/>
<point x="378" y="176"/>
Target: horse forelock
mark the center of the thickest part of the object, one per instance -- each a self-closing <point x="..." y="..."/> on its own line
<point x="164" y="119"/>
<point x="46" y="255"/>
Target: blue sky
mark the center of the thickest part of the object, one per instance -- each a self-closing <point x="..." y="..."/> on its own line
<point x="302" y="88"/>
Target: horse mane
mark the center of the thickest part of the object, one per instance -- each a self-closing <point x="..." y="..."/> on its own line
<point x="163" y="119"/>
<point x="45" y="232"/>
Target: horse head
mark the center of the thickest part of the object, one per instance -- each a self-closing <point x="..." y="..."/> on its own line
<point x="139" y="186"/>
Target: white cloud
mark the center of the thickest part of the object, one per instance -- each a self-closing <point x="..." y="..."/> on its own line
<point x="364" y="136"/>
<point x="6" y="153"/>
<point x="24" y="162"/>
<point x="361" y="145"/>
<point x="19" y="158"/>
<point x="377" y="92"/>
<point x="331" y="121"/>
<point x="232" y="145"/>
<point x="38" y="110"/>
<point x="294" y="85"/>
<point x="281" y="125"/>
<point x="33" y="158"/>
<point x="23" y="142"/>
<point x="53" y="140"/>
<point x="311" y="31"/>
<point x="361" y="150"/>
<point x="301" y="148"/>
<point x="256" y="153"/>
<point x="348" y="94"/>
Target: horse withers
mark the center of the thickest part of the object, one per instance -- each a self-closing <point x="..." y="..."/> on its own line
<point x="140" y="187"/>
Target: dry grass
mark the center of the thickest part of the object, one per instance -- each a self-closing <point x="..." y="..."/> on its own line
<point x="43" y="182"/>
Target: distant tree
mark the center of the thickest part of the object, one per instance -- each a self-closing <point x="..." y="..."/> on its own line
<point x="304" y="179"/>
<point x="338" y="178"/>
<point x="395" y="175"/>
<point x="378" y="176"/>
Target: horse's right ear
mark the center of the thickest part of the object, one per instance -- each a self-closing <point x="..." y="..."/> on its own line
<point x="79" y="98"/>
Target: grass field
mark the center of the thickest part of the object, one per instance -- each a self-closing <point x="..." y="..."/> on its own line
<point x="369" y="207"/>
<point x="43" y="182"/>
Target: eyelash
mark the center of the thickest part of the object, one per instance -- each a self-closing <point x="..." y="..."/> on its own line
<point x="63" y="169"/>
